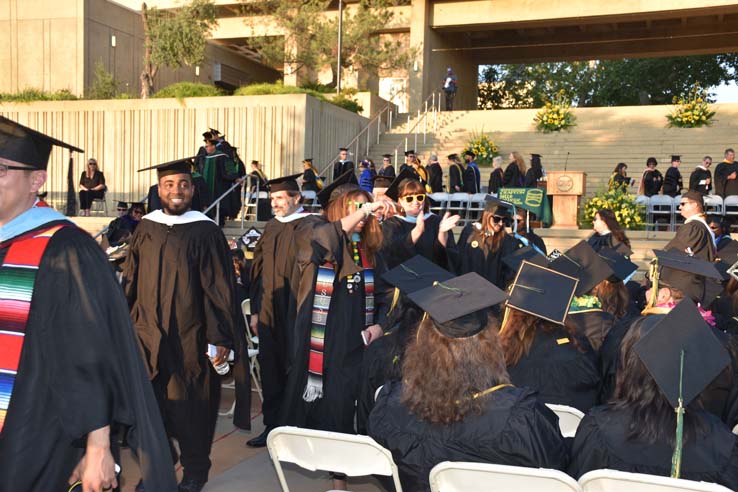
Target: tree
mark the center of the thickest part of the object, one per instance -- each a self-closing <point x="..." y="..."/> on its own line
<point x="602" y="83"/>
<point x="174" y="38"/>
<point x="104" y="85"/>
<point x="310" y="38"/>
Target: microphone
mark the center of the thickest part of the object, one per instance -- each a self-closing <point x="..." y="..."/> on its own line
<point x="566" y="161"/>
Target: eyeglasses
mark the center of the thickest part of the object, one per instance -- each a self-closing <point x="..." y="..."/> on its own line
<point x="123" y="210"/>
<point x="681" y="204"/>
<point x="410" y="198"/>
<point x="496" y="219"/>
<point x="4" y="169"/>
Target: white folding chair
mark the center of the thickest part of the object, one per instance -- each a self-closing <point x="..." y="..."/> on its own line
<point x="464" y="477"/>
<point x="730" y="207"/>
<point x="309" y="199"/>
<point x="330" y="451"/>
<point x="713" y="204"/>
<point x="476" y="207"/>
<point x="438" y="205"/>
<point x="252" y="343"/>
<point x="642" y="200"/>
<point x="457" y="205"/>
<point x="660" y="206"/>
<point x="569" y="418"/>
<point x="619" y="481"/>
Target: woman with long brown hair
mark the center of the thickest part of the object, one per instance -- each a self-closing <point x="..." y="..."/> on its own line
<point x="455" y="401"/>
<point x="608" y="233"/>
<point x="415" y="230"/>
<point x="483" y="244"/>
<point x="341" y="306"/>
<point x="514" y="176"/>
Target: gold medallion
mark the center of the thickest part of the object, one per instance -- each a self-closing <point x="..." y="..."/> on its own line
<point x="475" y="244"/>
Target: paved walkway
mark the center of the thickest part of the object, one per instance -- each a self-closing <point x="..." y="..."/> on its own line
<point x="238" y="468"/>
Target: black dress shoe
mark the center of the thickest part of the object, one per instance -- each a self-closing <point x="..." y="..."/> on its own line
<point x="259" y="441"/>
<point x="190" y="485"/>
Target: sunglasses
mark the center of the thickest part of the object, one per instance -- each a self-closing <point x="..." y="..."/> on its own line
<point x="410" y="198"/>
<point x="358" y="204"/>
<point x="496" y="219"/>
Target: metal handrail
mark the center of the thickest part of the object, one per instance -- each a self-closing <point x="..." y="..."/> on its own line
<point x="355" y="140"/>
<point x="435" y="109"/>
<point x="216" y="202"/>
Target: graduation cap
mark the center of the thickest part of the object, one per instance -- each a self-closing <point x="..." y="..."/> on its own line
<point x="342" y="149"/>
<point x="43" y="195"/>
<point x="582" y="262"/>
<point x="207" y="136"/>
<point x="499" y="207"/>
<point x="254" y="162"/>
<point x="408" y="152"/>
<point x="250" y="238"/>
<point x="452" y="157"/>
<point x="458" y="306"/>
<point x="24" y="145"/>
<point x="621" y="266"/>
<point x="469" y="153"/>
<point x="515" y="259"/>
<point x="285" y="183"/>
<point x="536" y="156"/>
<point x="309" y="160"/>
<point x="676" y="157"/>
<point x="387" y="156"/>
<point x="415" y="274"/>
<point x="122" y="205"/>
<point x="342" y="184"/>
<point x="214" y="132"/>
<point x="542" y="292"/>
<point x="686" y="273"/>
<point x="382" y="181"/>
<point x="393" y="191"/>
<point x="683" y="356"/>
<point x="178" y="166"/>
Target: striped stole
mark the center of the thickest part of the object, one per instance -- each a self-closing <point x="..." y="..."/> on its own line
<point x="17" y="280"/>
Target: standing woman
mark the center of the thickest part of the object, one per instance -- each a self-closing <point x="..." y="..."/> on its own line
<point x="651" y="180"/>
<point x="495" y="177"/>
<point x="310" y="181"/>
<point x="415" y="231"/>
<point x="619" y="177"/>
<point x="535" y="172"/>
<point x="514" y="176"/>
<point x="341" y="304"/>
<point x="483" y="244"/>
<point x="91" y="187"/>
<point x="608" y="233"/>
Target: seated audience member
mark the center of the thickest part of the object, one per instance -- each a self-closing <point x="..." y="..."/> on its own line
<point x="121" y="229"/>
<point x="543" y="351"/>
<point x="525" y="231"/>
<point x="635" y="431"/>
<point x="613" y="293"/>
<point x="455" y="401"/>
<point x="721" y="229"/>
<point x="91" y="187"/>
<point x="608" y="233"/>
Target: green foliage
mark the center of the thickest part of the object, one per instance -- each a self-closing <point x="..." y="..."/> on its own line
<point x="628" y="213"/>
<point x="311" y="39"/>
<point x="31" y="95"/>
<point x="603" y="82"/>
<point x="180" y="90"/>
<point x="343" y="100"/>
<point x="555" y="115"/>
<point x="692" y="110"/>
<point x="346" y="102"/>
<point x="179" y="37"/>
<point x="104" y="85"/>
<point x="318" y="87"/>
<point x="484" y="149"/>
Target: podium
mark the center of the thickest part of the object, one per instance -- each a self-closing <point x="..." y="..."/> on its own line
<point x="566" y="187"/>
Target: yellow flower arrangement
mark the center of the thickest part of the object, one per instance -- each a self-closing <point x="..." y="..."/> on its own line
<point x="628" y="213"/>
<point x="691" y="110"/>
<point x="484" y="149"/>
<point x="555" y="115"/>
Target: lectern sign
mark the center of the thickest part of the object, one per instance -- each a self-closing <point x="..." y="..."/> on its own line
<point x="527" y="198"/>
<point x="564" y="184"/>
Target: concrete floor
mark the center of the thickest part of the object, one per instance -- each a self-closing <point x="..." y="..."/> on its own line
<point x="238" y="468"/>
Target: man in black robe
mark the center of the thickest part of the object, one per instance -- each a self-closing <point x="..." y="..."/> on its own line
<point x="694" y="237"/>
<point x="273" y="294"/>
<point x="220" y="173"/>
<point x="701" y="178"/>
<point x="435" y="174"/>
<point x="651" y="180"/>
<point x="455" y="174"/>
<point x="726" y="173"/>
<point x="179" y="281"/>
<point x="673" y="179"/>
<point x="71" y="366"/>
<point x="388" y="170"/>
<point x="343" y="163"/>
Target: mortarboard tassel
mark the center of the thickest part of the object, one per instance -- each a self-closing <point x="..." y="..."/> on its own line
<point x="676" y="458"/>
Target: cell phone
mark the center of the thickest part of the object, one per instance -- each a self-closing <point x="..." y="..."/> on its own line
<point x="363" y="337"/>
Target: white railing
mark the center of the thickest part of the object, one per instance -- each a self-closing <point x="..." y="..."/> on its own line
<point x="422" y="117"/>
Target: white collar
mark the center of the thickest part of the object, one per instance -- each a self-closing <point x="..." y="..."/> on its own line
<point x="297" y="214"/>
<point x="700" y="166"/>
<point x="186" y="218"/>
<point x="605" y="233"/>
<point x="699" y="218"/>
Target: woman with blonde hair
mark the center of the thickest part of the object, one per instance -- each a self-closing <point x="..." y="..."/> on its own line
<point x="514" y="176"/>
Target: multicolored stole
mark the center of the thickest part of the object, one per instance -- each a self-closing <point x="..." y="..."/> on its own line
<point x="321" y="304"/>
<point x="17" y="280"/>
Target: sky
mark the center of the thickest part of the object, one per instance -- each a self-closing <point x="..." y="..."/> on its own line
<point x="726" y="93"/>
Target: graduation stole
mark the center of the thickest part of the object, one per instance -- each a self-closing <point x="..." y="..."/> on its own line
<point x="585" y="304"/>
<point x="17" y="281"/>
<point x="321" y="304"/>
<point x="461" y="177"/>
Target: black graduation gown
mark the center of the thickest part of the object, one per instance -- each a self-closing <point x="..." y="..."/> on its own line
<point x="608" y="241"/>
<point x="495" y="180"/>
<point x="470" y="256"/>
<point x="274" y="281"/>
<point x="309" y="181"/>
<point x="180" y="285"/>
<point x="724" y="186"/>
<point x="470" y="180"/>
<point x="673" y="182"/>
<point x="153" y="202"/>
<point x="610" y="354"/>
<point x="513" y="177"/>
<point x="559" y="371"/>
<point x="601" y="443"/>
<point x="80" y="370"/>
<point x="693" y="235"/>
<point x="531" y="178"/>
<point x="652" y="182"/>
<point x="697" y="180"/>
<point x="387" y="171"/>
<point x="223" y="178"/>
<point x="592" y="324"/>
<point x="435" y="177"/>
<point x="515" y="428"/>
<point x="455" y="178"/>
<point x="341" y="167"/>
<point x="397" y="247"/>
<point x="618" y="181"/>
<point x="343" y="344"/>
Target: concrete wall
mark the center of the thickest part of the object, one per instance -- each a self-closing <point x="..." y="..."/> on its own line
<point x="127" y="135"/>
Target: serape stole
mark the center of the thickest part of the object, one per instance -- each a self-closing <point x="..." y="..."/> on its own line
<point x="17" y="281"/>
